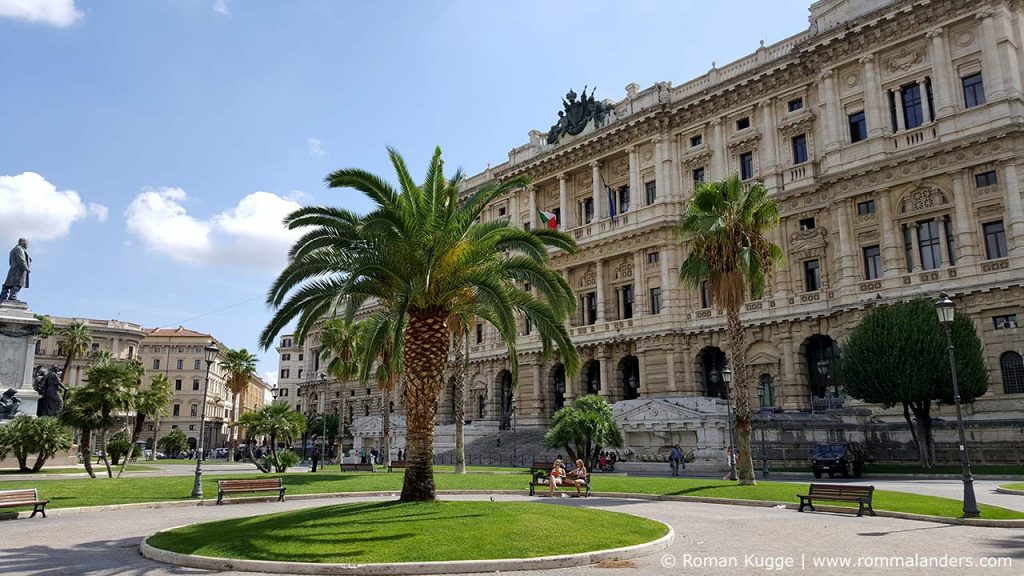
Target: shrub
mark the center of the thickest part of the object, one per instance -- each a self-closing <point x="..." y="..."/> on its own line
<point x="281" y="461"/>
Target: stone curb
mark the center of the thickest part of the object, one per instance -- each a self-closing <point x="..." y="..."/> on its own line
<point x="395" y="568"/>
<point x="625" y="495"/>
<point x="1002" y="490"/>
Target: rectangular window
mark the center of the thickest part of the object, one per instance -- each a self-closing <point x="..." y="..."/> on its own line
<point x="929" y="245"/>
<point x="705" y="295"/>
<point x="501" y="211"/>
<point x="794" y="105"/>
<point x="558" y="217"/>
<point x="812" y="276"/>
<point x="156" y="363"/>
<point x="588" y="210"/>
<point x="591" y="307"/>
<point x="1005" y="321"/>
<point x="284" y="373"/>
<point x="655" y="300"/>
<point x="986" y="179"/>
<point x="177" y="384"/>
<point x="195" y="383"/>
<point x="300" y="357"/>
<point x="180" y="364"/>
<point x="872" y="262"/>
<point x="286" y="357"/>
<point x="866" y="207"/>
<point x="479" y="333"/>
<point x="743" y="123"/>
<point x="800" y="149"/>
<point x="623" y="199"/>
<point x="807" y="224"/>
<point x="858" y="126"/>
<point x="652" y="257"/>
<point x="974" y="90"/>
<point x="698" y="175"/>
<point x="286" y="343"/>
<point x="995" y="240"/>
<point x="529" y="326"/>
<point x="651" y="191"/>
<point x="526" y="225"/>
<point x="197" y="365"/>
<point x="299" y="375"/>
<point x="627" y="301"/>
<point x="177" y="410"/>
<point x="696" y="140"/>
<point x="947" y="227"/>
<point x="913" y="109"/>
<point x="747" y="165"/>
<point x="908" y="247"/>
<point x="193" y="410"/>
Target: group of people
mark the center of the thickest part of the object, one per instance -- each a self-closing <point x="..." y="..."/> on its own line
<point x="558" y="476"/>
<point x="606" y="461"/>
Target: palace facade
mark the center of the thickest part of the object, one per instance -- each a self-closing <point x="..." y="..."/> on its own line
<point x="889" y="132"/>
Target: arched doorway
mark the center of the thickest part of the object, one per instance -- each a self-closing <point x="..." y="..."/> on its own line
<point x="629" y="367"/>
<point x="821" y="353"/>
<point x="556" y="380"/>
<point x="712" y="362"/>
<point x="592" y="377"/>
<point x="504" y="382"/>
<point x="192" y="443"/>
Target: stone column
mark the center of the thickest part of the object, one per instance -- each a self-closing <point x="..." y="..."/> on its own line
<point x="898" y="97"/>
<point x="926" y="110"/>
<point x="828" y="117"/>
<point x="1009" y="61"/>
<point x="771" y="155"/>
<point x="943" y="89"/>
<point x="667" y="293"/>
<point x="532" y="190"/>
<point x="515" y="210"/>
<point x="660" y="177"/>
<point x="874" y="108"/>
<point x="799" y="389"/>
<point x="537" y="375"/>
<point x="670" y="366"/>
<point x="605" y="368"/>
<point x="563" y="202"/>
<point x="596" y="189"/>
<point x="639" y="284"/>
<point x="990" y="69"/>
<point x="600" y="291"/>
<point x="967" y="247"/>
<point x="675" y="177"/>
<point x="846" y="268"/>
<point x="1014" y="211"/>
<point x="719" y="163"/>
<point x="636" y="191"/>
<point x="891" y="260"/>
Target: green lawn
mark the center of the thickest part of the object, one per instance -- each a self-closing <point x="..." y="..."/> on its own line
<point x="951" y="469"/>
<point x="192" y="462"/>
<point x="412" y="532"/>
<point x="88" y="492"/>
<point x="1019" y="486"/>
<point x="97" y="469"/>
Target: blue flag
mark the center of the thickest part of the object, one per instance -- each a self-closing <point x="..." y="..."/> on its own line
<point x="611" y="201"/>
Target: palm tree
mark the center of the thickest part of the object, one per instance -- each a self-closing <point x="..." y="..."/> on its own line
<point x="460" y="357"/>
<point x="110" y="389"/>
<point x="339" y="342"/>
<point x="584" y="429"/>
<point x="277" y="422"/>
<point x="419" y="257"/>
<point x="379" y="358"/>
<point x="724" y="229"/>
<point x="150" y="403"/>
<point x="80" y="413"/>
<point x="239" y="366"/>
<point x="101" y="356"/>
<point x="74" y="340"/>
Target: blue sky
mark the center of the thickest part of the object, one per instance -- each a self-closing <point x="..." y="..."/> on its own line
<point x="148" y="148"/>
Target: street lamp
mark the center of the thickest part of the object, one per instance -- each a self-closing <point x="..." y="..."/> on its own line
<point x="515" y="441"/>
<point x="727" y="379"/>
<point x="762" y="391"/>
<point x="323" y="420"/>
<point x="211" y="356"/>
<point x="944" y="308"/>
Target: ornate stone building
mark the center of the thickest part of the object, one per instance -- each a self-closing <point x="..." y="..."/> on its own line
<point x="888" y="132"/>
<point x="121" y="339"/>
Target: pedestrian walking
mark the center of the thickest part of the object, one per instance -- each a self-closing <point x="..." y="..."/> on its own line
<point x="674" y="458"/>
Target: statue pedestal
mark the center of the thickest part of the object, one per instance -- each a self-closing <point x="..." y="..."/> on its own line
<point x="19" y="331"/>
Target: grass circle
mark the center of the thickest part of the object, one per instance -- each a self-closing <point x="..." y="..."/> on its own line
<point x="376" y="532"/>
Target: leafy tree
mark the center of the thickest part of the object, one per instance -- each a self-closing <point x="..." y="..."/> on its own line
<point x="74" y="340"/>
<point x="174" y="443"/>
<point x="239" y="367"/>
<point x="584" y="429"/>
<point x="24" y="436"/>
<point x="46" y="326"/>
<point x="724" y="230"/>
<point x="277" y="422"/>
<point x="898" y="356"/>
<point x="419" y="257"/>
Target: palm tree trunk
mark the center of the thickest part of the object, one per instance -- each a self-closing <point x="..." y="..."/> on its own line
<point x="741" y="395"/>
<point x="341" y="429"/>
<point x="136" y="431"/>
<point x="86" y="450"/>
<point x="106" y="459"/>
<point x="152" y="453"/>
<point x="386" y="425"/>
<point x="459" y="409"/>
<point x="426" y="351"/>
<point x="234" y="429"/>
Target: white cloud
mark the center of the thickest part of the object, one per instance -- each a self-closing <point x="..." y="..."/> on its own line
<point x="221" y="7"/>
<point x="32" y="207"/>
<point x="60" y="13"/>
<point x="270" y="377"/>
<point x="249" y="234"/>
<point x="316" y="149"/>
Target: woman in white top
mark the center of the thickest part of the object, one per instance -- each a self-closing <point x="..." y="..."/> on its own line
<point x="580" y="476"/>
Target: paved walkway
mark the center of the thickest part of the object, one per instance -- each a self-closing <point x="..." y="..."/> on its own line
<point x="707" y="535"/>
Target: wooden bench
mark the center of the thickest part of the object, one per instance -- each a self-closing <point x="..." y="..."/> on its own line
<point x="568" y="483"/>
<point x="261" y="485"/>
<point x="25" y="497"/>
<point x="357" y="467"/>
<point x="840" y="493"/>
<point x="396" y="464"/>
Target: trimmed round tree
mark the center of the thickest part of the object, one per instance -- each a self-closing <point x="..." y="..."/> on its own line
<point x="897" y="356"/>
<point x="584" y="429"/>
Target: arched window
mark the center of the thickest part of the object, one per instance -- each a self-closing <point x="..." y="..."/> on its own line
<point x="766" y="390"/>
<point x="1012" y="367"/>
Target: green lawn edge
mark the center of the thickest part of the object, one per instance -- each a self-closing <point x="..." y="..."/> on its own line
<point x="412" y="532"/>
<point x="912" y="470"/>
<point x="77" y="492"/>
<point x="1017" y="486"/>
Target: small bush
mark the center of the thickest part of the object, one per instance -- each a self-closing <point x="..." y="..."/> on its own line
<point x="285" y="459"/>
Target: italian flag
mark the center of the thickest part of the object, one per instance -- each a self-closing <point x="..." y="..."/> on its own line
<point x="549" y="219"/>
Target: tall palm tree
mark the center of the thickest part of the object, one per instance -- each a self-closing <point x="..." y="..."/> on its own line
<point x="277" y="422"/>
<point x="110" y="388"/>
<point x="724" y="229"/>
<point x="80" y="413"/>
<point x="239" y="366"/>
<point x="381" y="360"/>
<point x="339" y="342"/>
<point x="151" y="403"/>
<point x="74" y="340"/>
<point x="418" y="257"/>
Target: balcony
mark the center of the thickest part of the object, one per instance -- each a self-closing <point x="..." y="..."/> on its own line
<point x="920" y="136"/>
<point x="801" y="175"/>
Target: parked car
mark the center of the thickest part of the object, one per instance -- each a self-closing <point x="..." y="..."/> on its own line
<point x="148" y="454"/>
<point x="846" y="458"/>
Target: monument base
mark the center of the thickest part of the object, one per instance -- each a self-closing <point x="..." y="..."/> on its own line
<point x="67" y="460"/>
<point x="19" y="331"/>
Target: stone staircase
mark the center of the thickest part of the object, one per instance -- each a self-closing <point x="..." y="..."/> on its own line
<point x="498" y="448"/>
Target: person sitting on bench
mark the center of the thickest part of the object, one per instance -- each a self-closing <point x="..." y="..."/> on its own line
<point x="580" y="476"/>
<point x="555" y="478"/>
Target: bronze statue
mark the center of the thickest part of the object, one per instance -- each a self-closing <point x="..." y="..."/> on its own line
<point x="17" y="275"/>
<point x="9" y="404"/>
<point x="576" y="114"/>
<point x="50" y="388"/>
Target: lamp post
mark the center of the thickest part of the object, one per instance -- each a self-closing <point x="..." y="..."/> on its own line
<point x="762" y="390"/>
<point x="515" y="441"/>
<point x="323" y="420"/>
<point x="211" y="356"/>
<point x="727" y="379"/>
<point x="944" y="308"/>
